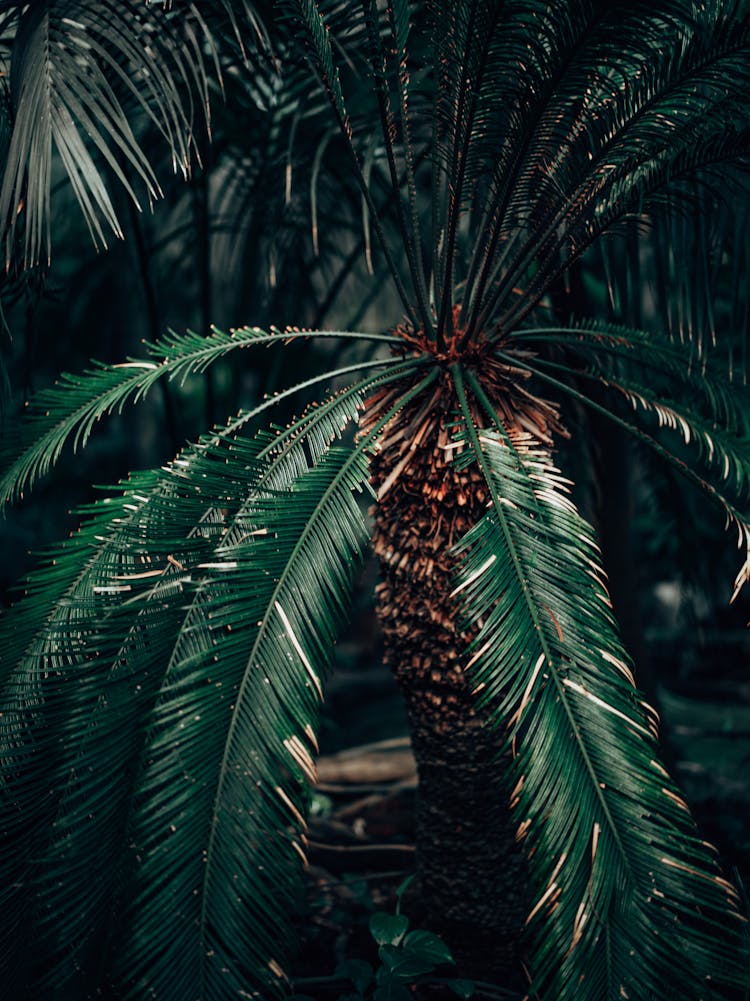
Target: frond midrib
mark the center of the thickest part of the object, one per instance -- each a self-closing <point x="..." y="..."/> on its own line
<point x="361" y="447"/>
<point x="518" y="567"/>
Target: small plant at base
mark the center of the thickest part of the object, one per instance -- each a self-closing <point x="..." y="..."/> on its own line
<point x="406" y="958"/>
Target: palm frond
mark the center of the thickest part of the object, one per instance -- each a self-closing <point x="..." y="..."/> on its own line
<point x="537" y="49"/>
<point x="399" y="18"/>
<point x="551" y="123"/>
<point x="65" y="565"/>
<point x="720" y="447"/>
<point x="695" y="236"/>
<point x="671" y="368"/>
<point x="706" y="414"/>
<point x="71" y="408"/>
<point x="275" y="601"/>
<point x="82" y="75"/>
<point x="633" y="101"/>
<point x="466" y="53"/>
<point x="388" y="60"/>
<point x="167" y="707"/>
<point x="629" y="901"/>
<point x="319" y="38"/>
<point x="192" y="642"/>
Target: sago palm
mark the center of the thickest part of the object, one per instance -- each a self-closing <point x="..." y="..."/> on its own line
<point x="163" y="674"/>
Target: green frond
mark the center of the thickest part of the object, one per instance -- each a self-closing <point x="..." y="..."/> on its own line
<point x="388" y="61"/>
<point x="628" y="356"/>
<point x="629" y="901"/>
<point x="184" y="664"/>
<point x="706" y="413"/>
<point x="463" y="52"/>
<point x="261" y="641"/>
<point x="50" y="585"/>
<point x="698" y="292"/>
<point x="400" y="26"/>
<point x="71" y="408"/>
<point x="319" y="36"/>
<point x="45" y="588"/>
<point x="81" y="74"/>
<point x="61" y="69"/>
<point x="722" y="446"/>
<point x="545" y="124"/>
<point x="167" y="706"/>
<point x="627" y="104"/>
<point x="316" y="25"/>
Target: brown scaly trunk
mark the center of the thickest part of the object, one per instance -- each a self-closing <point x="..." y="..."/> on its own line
<point x="473" y="883"/>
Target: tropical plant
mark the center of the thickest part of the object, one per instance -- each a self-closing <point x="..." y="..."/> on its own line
<point x="406" y="958"/>
<point x="163" y="674"/>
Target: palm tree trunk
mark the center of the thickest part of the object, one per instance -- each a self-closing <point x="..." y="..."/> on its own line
<point x="472" y="878"/>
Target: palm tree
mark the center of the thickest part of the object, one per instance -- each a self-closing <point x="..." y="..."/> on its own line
<point x="163" y="675"/>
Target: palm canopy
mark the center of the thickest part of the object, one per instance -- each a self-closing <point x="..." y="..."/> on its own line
<point x="196" y="608"/>
<point x="537" y="127"/>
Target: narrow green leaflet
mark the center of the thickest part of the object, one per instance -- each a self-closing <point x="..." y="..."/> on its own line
<point x="144" y="602"/>
<point x="217" y="816"/>
<point x="630" y="902"/>
<point x="320" y="39"/>
<point x="71" y="408"/>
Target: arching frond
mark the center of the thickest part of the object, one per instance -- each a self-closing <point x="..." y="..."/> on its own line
<point x="546" y="124"/>
<point x="320" y="40"/>
<point x="665" y="387"/>
<point x="49" y="586"/>
<point x="644" y="96"/>
<point x="71" y="408"/>
<point x="82" y="74"/>
<point x="185" y="660"/>
<point x="275" y="598"/>
<point x="613" y="348"/>
<point x="159" y="727"/>
<point x="630" y="902"/>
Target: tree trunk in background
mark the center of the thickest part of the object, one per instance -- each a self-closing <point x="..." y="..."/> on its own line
<point x="614" y="519"/>
<point x="472" y="877"/>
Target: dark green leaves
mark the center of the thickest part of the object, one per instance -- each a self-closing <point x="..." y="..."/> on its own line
<point x="84" y="77"/>
<point x="274" y="598"/>
<point x="388" y="929"/>
<point x="159" y="732"/>
<point x="629" y="902"/>
<point x="426" y="947"/>
<point x="406" y="957"/>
